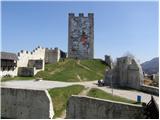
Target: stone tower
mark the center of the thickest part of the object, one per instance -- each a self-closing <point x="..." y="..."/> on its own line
<point x="81" y="36"/>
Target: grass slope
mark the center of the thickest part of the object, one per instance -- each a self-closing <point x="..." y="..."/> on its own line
<point x="97" y="93"/>
<point x="60" y="96"/>
<point x="72" y="70"/>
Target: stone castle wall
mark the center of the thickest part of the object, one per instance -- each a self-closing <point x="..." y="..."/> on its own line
<point x="35" y="60"/>
<point x="150" y="89"/>
<point x="81" y="36"/>
<point x="52" y="55"/>
<point x="126" y="73"/>
<point x="82" y="107"/>
<point x="26" y="104"/>
<point x="25" y="56"/>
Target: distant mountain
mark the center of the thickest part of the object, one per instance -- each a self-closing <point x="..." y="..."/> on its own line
<point x="152" y="66"/>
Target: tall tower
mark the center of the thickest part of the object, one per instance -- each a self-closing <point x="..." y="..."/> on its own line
<point x="81" y="36"/>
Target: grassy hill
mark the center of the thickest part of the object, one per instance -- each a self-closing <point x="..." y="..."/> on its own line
<point x="74" y="70"/>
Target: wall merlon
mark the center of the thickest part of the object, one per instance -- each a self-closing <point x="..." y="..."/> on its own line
<point x="71" y="14"/>
<point x="90" y="14"/>
<point x="81" y="14"/>
<point x="56" y="48"/>
<point x="18" y="53"/>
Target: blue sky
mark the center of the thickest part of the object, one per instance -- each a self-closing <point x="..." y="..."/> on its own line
<point x="119" y="27"/>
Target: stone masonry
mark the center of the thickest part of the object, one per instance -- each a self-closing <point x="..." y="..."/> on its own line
<point x="52" y="55"/>
<point x="81" y="36"/>
<point x="26" y="104"/>
<point x="83" y="107"/>
<point x="126" y="73"/>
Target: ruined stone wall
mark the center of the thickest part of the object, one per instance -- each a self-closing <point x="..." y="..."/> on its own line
<point x="126" y="73"/>
<point x="82" y="107"/>
<point x="26" y="104"/>
<point x="81" y="36"/>
<point x="135" y="75"/>
<point x="122" y="66"/>
<point x="109" y="61"/>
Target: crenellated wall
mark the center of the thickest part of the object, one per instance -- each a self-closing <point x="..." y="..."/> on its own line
<point x="36" y="54"/>
<point x="52" y="55"/>
<point x="35" y="60"/>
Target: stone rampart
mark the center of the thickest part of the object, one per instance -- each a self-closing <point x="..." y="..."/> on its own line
<point x="82" y="107"/>
<point x="26" y="104"/>
<point x="150" y="89"/>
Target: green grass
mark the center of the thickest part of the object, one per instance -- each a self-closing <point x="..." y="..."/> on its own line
<point x="3" y="79"/>
<point x="97" y="93"/>
<point x="70" y="69"/>
<point x="60" y="96"/>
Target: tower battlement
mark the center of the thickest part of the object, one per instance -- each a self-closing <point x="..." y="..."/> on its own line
<point x="24" y="52"/>
<point x="80" y="15"/>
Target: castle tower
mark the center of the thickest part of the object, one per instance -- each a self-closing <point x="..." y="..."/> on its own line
<point x="81" y="36"/>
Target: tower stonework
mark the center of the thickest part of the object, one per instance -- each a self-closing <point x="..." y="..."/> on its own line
<point x="81" y="36"/>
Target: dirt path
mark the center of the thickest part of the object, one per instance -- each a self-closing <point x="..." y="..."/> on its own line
<point x="55" y="71"/>
<point x="63" y="115"/>
<point x="87" y="68"/>
<point x="79" y="78"/>
<point x="84" y="92"/>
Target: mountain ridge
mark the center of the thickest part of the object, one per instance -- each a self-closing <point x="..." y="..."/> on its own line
<point x="151" y="66"/>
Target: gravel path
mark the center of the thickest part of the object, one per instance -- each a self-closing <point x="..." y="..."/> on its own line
<point x="43" y="85"/>
<point x="32" y="84"/>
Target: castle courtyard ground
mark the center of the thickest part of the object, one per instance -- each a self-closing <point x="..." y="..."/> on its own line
<point x="44" y="84"/>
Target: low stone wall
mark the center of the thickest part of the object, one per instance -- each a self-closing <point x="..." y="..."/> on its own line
<point x="25" y="72"/>
<point x="150" y="89"/>
<point x="10" y="72"/>
<point x="82" y="107"/>
<point x="26" y="104"/>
